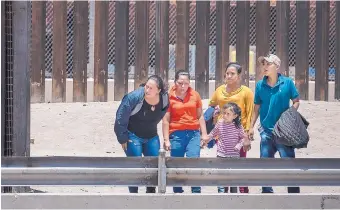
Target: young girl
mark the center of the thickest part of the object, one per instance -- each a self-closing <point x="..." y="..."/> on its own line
<point x="230" y="135"/>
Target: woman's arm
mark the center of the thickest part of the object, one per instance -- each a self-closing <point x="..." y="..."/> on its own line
<point x="214" y="101"/>
<point x="249" y="103"/>
<point x="122" y="120"/>
<point x="204" y="135"/>
<point x="165" y="128"/>
<point x="201" y="121"/>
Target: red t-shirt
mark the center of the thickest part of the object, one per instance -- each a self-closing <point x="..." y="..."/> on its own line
<point x="183" y="113"/>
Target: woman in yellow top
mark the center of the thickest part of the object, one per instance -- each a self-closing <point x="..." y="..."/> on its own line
<point x="233" y="91"/>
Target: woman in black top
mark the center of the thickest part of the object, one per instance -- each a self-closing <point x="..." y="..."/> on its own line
<point x="136" y="120"/>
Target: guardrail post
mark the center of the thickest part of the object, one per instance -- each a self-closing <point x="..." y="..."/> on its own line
<point x="161" y="172"/>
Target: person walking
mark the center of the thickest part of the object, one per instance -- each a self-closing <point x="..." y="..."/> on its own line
<point x="136" y="120"/>
<point x="183" y="124"/>
<point x="272" y="97"/>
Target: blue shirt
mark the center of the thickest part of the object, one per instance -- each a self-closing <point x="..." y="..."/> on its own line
<point x="275" y="100"/>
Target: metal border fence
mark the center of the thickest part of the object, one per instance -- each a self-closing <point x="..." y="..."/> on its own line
<point x="282" y="18"/>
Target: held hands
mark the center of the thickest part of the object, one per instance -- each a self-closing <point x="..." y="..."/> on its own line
<point x="204" y="140"/>
<point x="251" y="134"/>
<point x="246" y="145"/>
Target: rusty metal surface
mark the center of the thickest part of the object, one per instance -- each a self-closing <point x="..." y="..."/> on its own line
<point x="321" y="49"/>
<point x="122" y="49"/>
<point x="101" y="51"/>
<point x="59" y="51"/>
<point x="81" y="27"/>
<point x="301" y="70"/>
<point x="262" y="33"/>
<point x="282" y="32"/>
<point x="182" y="38"/>
<point x="202" y="49"/>
<point x="222" y="40"/>
<point x="38" y="52"/>
<point x="142" y="42"/>
<point x="162" y="40"/>
<point x="242" y="38"/>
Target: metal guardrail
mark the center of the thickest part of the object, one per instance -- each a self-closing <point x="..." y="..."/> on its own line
<point x="165" y="171"/>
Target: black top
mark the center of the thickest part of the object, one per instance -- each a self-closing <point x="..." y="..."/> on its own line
<point x="144" y="123"/>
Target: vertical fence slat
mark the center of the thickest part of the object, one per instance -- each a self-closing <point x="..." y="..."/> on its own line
<point x="101" y="50"/>
<point x="302" y="37"/>
<point x="337" y="62"/>
<point x="3" y="80"/>
<point x="242" y="38"/>
<point x="262" y="33"/>
<point x="122" y="50"/>
<point x="142" y="42"/>
<point x="59" y="51"/>
<point x="38" y="52"/>
<point x="162" y="39"/>
<point x="80" y="51"/>
<point x="21" y="77"/>
<point x="321" y="51"/>
<point x="202" y="48"/>
<point x="282" y="34"/>
<point x="182" y="38"/>
<point x="222" y="40"/>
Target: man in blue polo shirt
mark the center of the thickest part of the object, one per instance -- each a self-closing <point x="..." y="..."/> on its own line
<point x="272" y="97"/>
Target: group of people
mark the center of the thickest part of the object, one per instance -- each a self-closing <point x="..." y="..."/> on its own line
<point x="236" y="109"/>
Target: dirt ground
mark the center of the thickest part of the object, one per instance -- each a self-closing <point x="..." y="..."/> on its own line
<point x="86" y="129"/>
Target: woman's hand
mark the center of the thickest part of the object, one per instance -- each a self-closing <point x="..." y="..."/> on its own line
<point x="251" y="134"/>
<point x="124" y="146"/>
<point x="167" y="145"/>
<point x="204" y="140"/>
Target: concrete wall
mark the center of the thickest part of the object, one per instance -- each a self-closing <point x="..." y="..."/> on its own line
<point x="169" y="201"/>
<point x="69" y="89"/>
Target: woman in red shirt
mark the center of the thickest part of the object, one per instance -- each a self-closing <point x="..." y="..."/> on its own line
<point x="184" y="123"/>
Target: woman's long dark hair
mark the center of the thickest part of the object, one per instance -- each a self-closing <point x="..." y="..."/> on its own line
<point x="236" y="109"/>
<point x="159" y="81"/>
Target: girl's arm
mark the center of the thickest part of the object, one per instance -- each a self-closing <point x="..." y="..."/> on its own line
<point x="214" y="133"/>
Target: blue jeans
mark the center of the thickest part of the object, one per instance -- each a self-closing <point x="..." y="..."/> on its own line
<point x="186" y="142"/>
<point x="136" y="147"/>
<point x="268" y="148"/>
<point x="225" y="189"/>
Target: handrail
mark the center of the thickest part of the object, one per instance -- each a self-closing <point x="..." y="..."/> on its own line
<point x="165" y="171"/>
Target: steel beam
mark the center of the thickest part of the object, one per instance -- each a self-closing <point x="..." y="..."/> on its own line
<point x="78" y="176"/>
<point x="252" y="177"/>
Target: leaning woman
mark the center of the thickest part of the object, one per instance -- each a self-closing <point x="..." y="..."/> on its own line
<point x="183" y="124"/>
<point x="233" y="91"/>
<point x="136" y="120"/>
